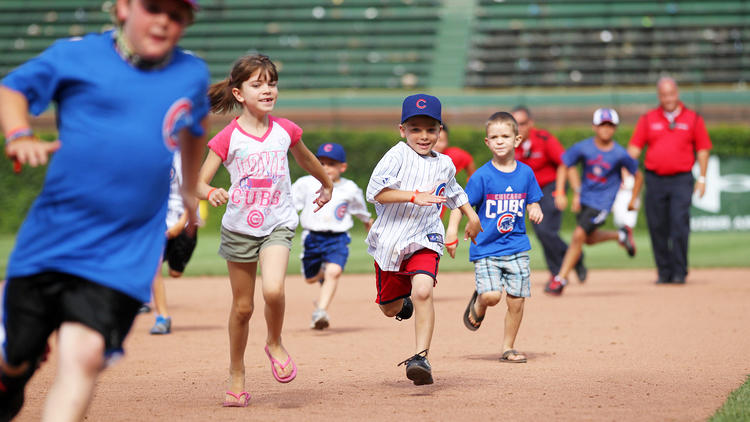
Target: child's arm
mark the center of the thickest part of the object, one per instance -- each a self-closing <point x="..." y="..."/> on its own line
<point x="368" y="224"/>
<point x="575" y="184"/>
<point x="451" y="233"/>
<point x="214" y="196"/>
<point x="390" y="196"/>
<point x="24" y="147"/>
<point x="308" y="161"/>
<point x="191" y="151"/>
<point x="633" y="205"/>
<point x="535" y="212"/>
<point x="473" y="226"/>
<point x="177" y="228"/>
<point x="561" y="199"/>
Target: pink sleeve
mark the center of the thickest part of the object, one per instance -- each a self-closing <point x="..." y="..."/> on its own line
<point x="294" y="131"/>
<point x="220" y="142"/>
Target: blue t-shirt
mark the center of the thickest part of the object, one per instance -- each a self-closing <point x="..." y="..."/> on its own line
<point x="500" y="200"/>
<point x="101" y="212"/>
<point x="601" y="171"/>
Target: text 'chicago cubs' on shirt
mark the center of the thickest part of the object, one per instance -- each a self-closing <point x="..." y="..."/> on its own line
<point x="601" y="171"/>
<point x="501" y="199"/>
<point x="260" y="198"/>
<point x="346" y="201"/>
<point x="101" y="213"/>
<point x="403" y="228"/>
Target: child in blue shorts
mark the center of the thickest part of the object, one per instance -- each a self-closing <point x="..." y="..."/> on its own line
<point x="502" y="191"/>
<point x="325" y="238"/>
<point x="602" y="160"/>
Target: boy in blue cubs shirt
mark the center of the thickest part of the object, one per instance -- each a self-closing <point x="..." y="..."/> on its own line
<point x="603" y="160"/>
<point x="502" y="191"/>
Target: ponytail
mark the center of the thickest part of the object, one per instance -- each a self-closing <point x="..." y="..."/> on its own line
<point x="221" y="98"/>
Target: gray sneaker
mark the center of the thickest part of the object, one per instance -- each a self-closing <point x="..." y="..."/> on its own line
<point x="162" y="325"/>
<point x="319" y="319"/>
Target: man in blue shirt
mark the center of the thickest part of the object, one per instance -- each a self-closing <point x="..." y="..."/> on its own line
<point x="602" y="160"/>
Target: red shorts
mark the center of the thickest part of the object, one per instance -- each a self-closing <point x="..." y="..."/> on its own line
<point x="395" y="285"/>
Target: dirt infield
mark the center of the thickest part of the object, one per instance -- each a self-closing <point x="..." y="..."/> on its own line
<point x="615" y="348"/>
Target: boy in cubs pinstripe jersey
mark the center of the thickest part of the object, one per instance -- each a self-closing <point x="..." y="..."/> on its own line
<point x="409" y="186"/>
<point x="325" y="239"/>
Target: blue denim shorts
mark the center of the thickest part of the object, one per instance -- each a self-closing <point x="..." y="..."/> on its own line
<point x="511" y="272"/>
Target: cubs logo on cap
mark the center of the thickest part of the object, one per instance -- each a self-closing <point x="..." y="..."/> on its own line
<point x="421" y="105"/>
<point x="606" y="115"/>
<point x="332" y="151"/>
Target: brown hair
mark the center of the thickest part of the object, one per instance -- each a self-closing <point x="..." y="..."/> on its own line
<point x="503" y="117"/>
<point x="220" y="93"/>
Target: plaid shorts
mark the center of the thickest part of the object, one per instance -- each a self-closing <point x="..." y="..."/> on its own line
<point x="511" y="272"/>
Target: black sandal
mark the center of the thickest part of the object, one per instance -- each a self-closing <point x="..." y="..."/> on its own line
<point x="473" y="326"/>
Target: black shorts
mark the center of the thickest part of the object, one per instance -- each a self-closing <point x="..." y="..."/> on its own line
<point x="36" y="306"/>
<point x="591" y="219"/>
<point x="179" y="249"/>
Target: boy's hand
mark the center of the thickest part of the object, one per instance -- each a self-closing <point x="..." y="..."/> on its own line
<point x="30" y="150"/>
<point x="634" y="204"/>
<point x="451" y="243"/>
<point x="576" y="205"/>
<point x="368" y="224"/>
<point x="427" y="198"/>
<point x="473" y="227"/>
<point x="218" y="197"/>
<point x="535" y="213"/>
<point x="324" y="195"/>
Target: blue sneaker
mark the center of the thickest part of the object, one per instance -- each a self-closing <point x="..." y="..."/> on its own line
<point x="162" y="325"/>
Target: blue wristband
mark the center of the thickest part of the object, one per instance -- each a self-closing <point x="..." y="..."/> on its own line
<point x="17" y="134"/>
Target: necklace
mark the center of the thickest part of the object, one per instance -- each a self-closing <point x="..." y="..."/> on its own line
<point x="134" y="59"/>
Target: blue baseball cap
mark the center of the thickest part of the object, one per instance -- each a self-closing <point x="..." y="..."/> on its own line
<point x="421" y="105"/>
<point x="332" y="151"/>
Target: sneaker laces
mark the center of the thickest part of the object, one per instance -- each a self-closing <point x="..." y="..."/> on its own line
<point x="420" y="355"/>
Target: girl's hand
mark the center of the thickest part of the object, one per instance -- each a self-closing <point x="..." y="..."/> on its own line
<point x="30" y="150"/>
<point x="217" y="197"/>
<point x="368" y="224"/>
<point x="427" y="198"/>
<point x="561" y="201"/>
<point x="634" y="204"/>
<point x="576" y="205"/>
<point x="174" y="231"/>
<point x="324" y="195"/>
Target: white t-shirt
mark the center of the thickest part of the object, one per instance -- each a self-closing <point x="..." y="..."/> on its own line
<point x="260" y="198"/>
<point x="335" y="216"/>
<point x="403" y="228"/>
<point x="175" y="206"/>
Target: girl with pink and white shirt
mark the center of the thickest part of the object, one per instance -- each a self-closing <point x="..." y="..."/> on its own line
<point x="259" y="222"/>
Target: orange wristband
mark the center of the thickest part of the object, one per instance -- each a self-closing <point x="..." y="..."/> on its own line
<point x="555" y="193"/>
<point x="452" y="243"/>
<point x="413" y="196"/>
<point x="209" y="193"/>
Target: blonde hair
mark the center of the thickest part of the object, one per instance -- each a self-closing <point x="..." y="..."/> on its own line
<point x="220" y="93"/>
<point x="503" y="117"/>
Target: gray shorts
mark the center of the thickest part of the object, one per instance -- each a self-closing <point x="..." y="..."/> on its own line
<point x="238" y="247"/>
<point x="511" y="272"/>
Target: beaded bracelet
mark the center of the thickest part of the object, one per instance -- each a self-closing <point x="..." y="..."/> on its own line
<point x="17" y="134"/>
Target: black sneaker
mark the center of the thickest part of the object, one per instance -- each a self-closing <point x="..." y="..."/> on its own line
<point x="626" y="240"/>
<point x="418" y="368"/>
<point x="581" y="271"/>
<point x="407" y="309"/>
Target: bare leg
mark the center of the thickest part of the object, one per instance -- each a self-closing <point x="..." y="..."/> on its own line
<point x="392" y="308"/>
<point x="159" y="292"/>
<point x="242" y="278"/>
<point x="512" y="323"/>
<point x="330" y="283"/>
<point x="598" y="236"/>
<point x="573" y="253"/>
<point x="273" y="263"/>
<point x="424" y="310"/>
<point x="80" y="360"/>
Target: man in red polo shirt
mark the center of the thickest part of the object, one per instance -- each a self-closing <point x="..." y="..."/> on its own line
<point x="541" y="151"/>
<point x="674" y="135"/>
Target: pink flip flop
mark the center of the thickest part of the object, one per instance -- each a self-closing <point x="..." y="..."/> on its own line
<point x="282" y="366"/>
<point x="240" y="401"/>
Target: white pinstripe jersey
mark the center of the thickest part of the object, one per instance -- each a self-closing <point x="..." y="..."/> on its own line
<point x="346" y="201"/>
<point x="402" y="228"/>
